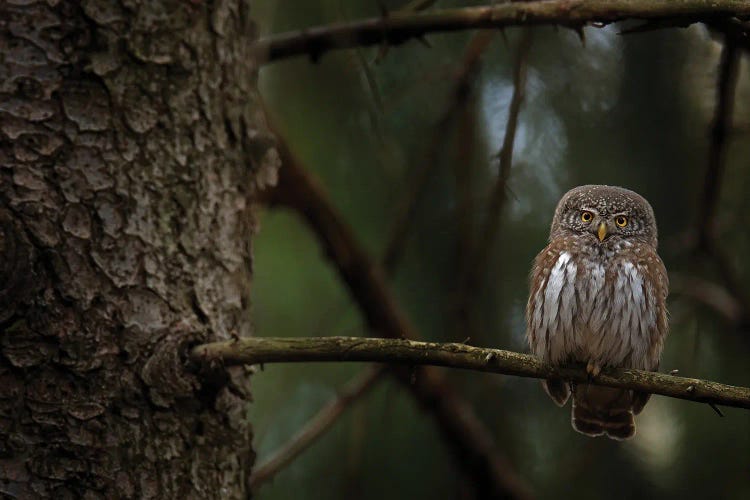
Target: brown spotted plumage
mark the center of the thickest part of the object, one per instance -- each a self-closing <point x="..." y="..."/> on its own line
<point x="598" y="296"/>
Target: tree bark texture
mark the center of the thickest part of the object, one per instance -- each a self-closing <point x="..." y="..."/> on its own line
<point x="131" y="143"/>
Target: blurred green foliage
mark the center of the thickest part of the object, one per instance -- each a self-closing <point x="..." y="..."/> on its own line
<point x="628" y="110"/>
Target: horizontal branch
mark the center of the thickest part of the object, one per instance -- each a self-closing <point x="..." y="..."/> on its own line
<point x="398" y="27"/>
<point x="260" y="350"/>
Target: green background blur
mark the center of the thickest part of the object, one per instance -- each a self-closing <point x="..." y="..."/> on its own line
<point x="633" y="111"/>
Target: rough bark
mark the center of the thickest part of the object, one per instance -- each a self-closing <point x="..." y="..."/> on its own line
<point x="125" y="225"/>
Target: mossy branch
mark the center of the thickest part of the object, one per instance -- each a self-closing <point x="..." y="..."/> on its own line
<point x="259" y="350"/>
<point x="398" y="27"/>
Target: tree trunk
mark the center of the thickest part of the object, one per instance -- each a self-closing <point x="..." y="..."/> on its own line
<point x="131" y="143"/>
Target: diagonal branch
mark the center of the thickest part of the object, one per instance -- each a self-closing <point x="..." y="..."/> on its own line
<point x="469" y="439"/>
<point x="477" y="264"/>
<point x="505" y="156"/>
<point x="720" y="129"/>
<point x="728" y="68"/>
<point x="462" y="89"/>
<point x="408" y="352"/>
<point x="710" y="294"/>
<point x="299" y="190"/>
<point x="361" y="385"/>
<point x="398" y="27"/>
<point x="314" y="428"/>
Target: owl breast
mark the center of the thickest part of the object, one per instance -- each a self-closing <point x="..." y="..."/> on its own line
<point x="593" y="305"/>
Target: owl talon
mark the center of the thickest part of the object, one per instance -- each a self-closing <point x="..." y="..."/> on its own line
<point x="593" y="369"/>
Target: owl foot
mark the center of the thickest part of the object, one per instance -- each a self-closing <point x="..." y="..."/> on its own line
<point x="593" y="369"/>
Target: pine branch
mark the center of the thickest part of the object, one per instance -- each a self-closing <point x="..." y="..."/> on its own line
<point x="412" y="353"/>
<point x="399" y="26"/>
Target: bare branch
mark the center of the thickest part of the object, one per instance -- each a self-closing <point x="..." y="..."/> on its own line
<point x="470" y="440"/>
<point x="302" y="192"/>
<point x="417" y="5"/>
<point x="720" y="129"/>
<point x="412" y="353"/>
<point x="459" y="96"/>
<point x="722" y="123"/>
<point x="314" y="428"/>
<point x="398" y="27"/>
<point x="710" y="294"/>
<point x="359" y="386"/>
<point x="477" y="264"/>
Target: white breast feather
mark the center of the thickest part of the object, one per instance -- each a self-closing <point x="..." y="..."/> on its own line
<point x="611" y="324"/>
<point x="553" y="316"/>
<point x="555" y="284"/>
<point x="621" y="321"/>
<point x="592" y="301"/>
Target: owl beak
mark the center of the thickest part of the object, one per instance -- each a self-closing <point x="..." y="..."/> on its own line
<point x="602" y="232"/>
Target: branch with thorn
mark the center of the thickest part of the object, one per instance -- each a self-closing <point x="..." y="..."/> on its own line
<point x="399" y="26"/>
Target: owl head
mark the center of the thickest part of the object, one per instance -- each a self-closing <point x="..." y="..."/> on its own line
<point x="606" y="214"/>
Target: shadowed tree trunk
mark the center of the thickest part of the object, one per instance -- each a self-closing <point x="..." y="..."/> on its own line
<point x="131" y="144"/>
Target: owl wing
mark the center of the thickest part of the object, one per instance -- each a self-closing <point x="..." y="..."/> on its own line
<point x="552" y="304"/>
<point x="656" y="284"/>
<point x="551" y="268"/>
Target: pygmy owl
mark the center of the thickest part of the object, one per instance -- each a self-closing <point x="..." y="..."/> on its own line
<point x="598" y="296"/>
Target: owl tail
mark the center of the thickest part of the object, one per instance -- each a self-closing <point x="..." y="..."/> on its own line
<point x="603" y="410"/>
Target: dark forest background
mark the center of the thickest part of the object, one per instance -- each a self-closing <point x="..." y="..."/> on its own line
<point x="631" y="110"/>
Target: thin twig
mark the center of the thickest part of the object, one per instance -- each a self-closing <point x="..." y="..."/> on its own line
<point x="417" y="5"/>
<point x="716" y="409"/>
<point x="710" y="294"/>
<point x="720" y="129"/>
<point x="253" y="350"/>
<point x="314" y="428"/>
<point x="722" y="123"/>
<point x="463" y="165"/>
<point x="477" y="264"/>
<point x="459" y="95"/>
<point x="398" y="27"/>
<point x="463" y="158"/>
<point x="505" y="154"/>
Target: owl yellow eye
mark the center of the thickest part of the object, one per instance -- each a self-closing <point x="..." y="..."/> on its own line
<point x="586" y="216"/>
<point x="621" y="220"/>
